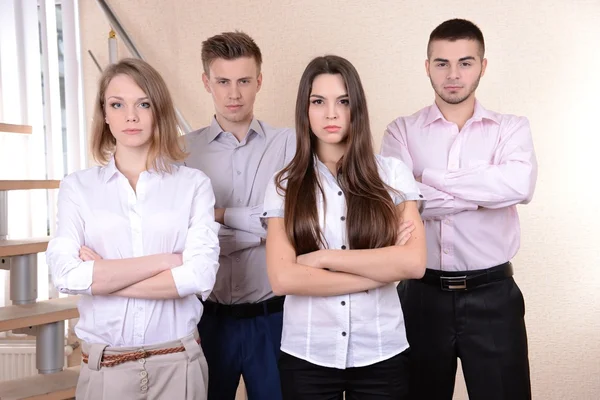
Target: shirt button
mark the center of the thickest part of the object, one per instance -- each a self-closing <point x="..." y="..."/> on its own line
<point x="446" y="251"/>
<point x="143" y="374"/>
<point x="239" y="200"/>
<point x="239" y="172"/>
<point x="343" y="303"/>
<point x="420" y="196"/>
<point x="343" y="333"/>
<point x="264" y="214"/>
<point x="343" y="247"/>
<point x="144" y="381"/>
<point x="144" y="388"/>
<point x="447" y="222"/>
<point x="237" y="259"/>
<point x="343" y="218"/>
<point x="340" y="193"/>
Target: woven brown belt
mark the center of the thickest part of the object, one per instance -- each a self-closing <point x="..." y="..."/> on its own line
<point x="116" y="359"/>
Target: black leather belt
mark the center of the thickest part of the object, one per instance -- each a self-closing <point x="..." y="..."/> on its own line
<point x="467" y="280"/>
<point x="245" y="310"/>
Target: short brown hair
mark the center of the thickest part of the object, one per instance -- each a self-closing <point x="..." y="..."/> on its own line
<point x="165" y="147"/>
<point x="229" y="46"/>
<point x="457" y="29"/>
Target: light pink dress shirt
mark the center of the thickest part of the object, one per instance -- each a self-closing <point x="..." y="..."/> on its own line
<point x="472" y="180"/>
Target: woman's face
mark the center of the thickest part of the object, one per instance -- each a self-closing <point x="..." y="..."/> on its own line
<point x="329" y="109"/>
<point x="128" y="113"/>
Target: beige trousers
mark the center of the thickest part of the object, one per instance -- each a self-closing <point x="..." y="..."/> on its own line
<point x="178" y="376"/>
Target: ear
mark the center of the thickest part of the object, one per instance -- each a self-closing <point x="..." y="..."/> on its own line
<point x="259" y="81"/>
<point x="427" y="68"/>
<point x="205" y="80"/>
<point x="483" y="66"/>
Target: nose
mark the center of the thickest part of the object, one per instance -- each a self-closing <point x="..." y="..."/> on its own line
<point x="132" y="116"/>
<point x="332" y="112"/>
<point x="453" y="72"/>
<point x="234" y="92"/>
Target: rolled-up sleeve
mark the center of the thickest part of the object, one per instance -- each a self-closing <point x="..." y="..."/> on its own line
<point x="198" y="272"/>
<point x="274" y="202"/>
<point x="69" y="273"/>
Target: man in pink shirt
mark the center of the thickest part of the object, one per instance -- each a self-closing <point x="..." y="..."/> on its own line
<point x="474" y="166"/>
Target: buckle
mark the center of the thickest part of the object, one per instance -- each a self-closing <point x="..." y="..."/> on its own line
<point x="451" y="283"/>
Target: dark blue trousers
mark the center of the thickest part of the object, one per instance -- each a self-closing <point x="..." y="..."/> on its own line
<point x="244" y="346"/>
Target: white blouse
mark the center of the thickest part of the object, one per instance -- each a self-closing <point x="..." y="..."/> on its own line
<point x="351" y="330"/>
<point x="168" y="213"/>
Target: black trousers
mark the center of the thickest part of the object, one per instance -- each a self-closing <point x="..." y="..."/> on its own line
<point x="484" y="327"/>
<point x="385" y="380"/>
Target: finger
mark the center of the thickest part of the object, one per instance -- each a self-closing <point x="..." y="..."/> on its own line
<point x="403" y="239"/>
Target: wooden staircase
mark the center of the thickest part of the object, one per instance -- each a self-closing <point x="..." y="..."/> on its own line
<point x="43" y="319"/>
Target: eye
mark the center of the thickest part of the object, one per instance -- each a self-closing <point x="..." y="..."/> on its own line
<point x="441" y="65"/>
<point x="145" y="104"/>
<point x="222" y="82"/>
<point x="466" y="64"/>
<point x="345" y="102"/>
<point x="245" y="81"/>
<point x="115" y="105"/>
<point x="317" y="101"/>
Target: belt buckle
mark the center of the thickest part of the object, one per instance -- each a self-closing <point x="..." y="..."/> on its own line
<point x="452" y="283"/>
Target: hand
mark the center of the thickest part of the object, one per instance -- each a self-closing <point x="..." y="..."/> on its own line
<point x="220" y="215"/>
<point x="404" y="232"/>
<point x="87" y="254"/>
<point x="310" y="259"/>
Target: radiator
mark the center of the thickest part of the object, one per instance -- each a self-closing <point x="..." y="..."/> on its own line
<point x="17" y="359"/>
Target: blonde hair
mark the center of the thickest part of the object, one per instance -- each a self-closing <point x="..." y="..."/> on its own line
<point x="165" y="146"/>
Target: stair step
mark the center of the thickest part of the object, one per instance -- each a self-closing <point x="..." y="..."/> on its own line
<point x="40" y="313"/>
<point x="12" y="128"/>
<point x="58" y="386"/>
<point x="29" y="184"/>
<point x="19" y="247"/>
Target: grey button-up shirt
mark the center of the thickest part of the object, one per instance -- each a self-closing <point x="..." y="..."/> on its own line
<point x="239" y="173"/>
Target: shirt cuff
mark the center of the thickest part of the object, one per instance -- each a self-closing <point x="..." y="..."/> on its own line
<point x="238" y="218"/>
<point x="460" y="204"/>
<point x="436" y="178"/>
<point x="185" y="280"/>
<point x="79" y="279"/>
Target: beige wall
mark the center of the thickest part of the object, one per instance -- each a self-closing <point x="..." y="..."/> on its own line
<point x="543" y="62"/>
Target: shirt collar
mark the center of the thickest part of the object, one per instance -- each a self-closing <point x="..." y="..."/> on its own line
<point x="110" y="169"/>
<point x="215" y="129"/>
<point x="479" y="113"/>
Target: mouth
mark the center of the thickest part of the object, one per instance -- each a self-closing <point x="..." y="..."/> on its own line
<point x="453" y="88"/>
<point x="332" y="128"/>
<point x="234" y="107"/>
<point x="131" y="131"/>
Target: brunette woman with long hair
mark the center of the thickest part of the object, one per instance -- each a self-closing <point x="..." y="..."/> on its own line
<point x="343" y="227"/>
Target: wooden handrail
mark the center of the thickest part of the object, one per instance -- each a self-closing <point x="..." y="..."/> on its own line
<point x="40" y="313"/>
<point x="58" y="386"/>
<point x="12" y="128"/>
<point x="10" y="248"/>
<point x="29" y="184"/>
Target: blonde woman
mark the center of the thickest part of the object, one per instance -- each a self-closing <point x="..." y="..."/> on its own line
<point x="137" y="239"/>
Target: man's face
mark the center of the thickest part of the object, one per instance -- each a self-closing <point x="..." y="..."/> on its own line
<point x="454" y="69"/>
<point x="233" y="85"/>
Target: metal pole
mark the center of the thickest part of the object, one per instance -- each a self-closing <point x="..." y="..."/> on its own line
<point x="23" y="279"/>
<point x="3" y="214"/>
<point x="50" y="348"/>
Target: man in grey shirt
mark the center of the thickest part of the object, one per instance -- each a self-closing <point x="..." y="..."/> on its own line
<point x="240" y="329"/>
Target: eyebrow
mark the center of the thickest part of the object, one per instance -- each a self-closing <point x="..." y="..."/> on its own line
<point x="318" y="96"/>
<point x="460" y="59"/>
<point x="122" y="99"/>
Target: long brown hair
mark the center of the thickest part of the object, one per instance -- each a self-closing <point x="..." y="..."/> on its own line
<point x="165" y="146"/>
<point x="371" y="218"/>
